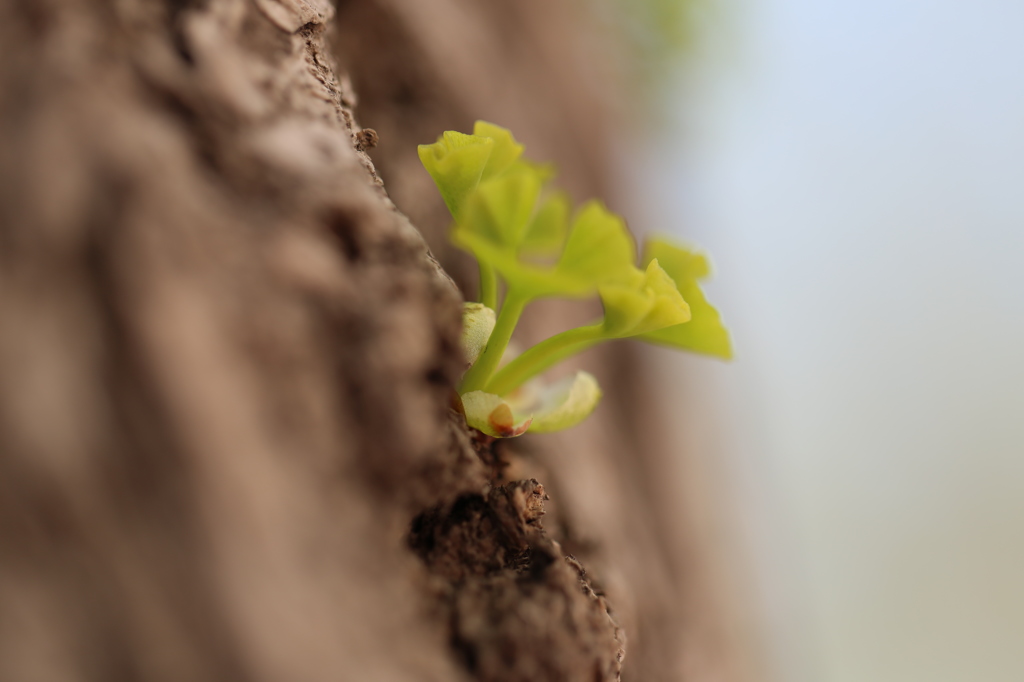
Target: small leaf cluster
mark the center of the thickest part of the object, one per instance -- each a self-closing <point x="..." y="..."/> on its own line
<point x="530" y="243"/>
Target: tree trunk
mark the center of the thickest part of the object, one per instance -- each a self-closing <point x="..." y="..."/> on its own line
<point x="227" y="360"/>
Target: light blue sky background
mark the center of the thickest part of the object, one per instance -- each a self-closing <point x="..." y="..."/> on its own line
<point x="856" y="170"/>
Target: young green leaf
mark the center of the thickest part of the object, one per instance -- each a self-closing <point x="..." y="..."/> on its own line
<point x="490" y="414"/>
<point x="477" y="325"/>
<point x="704" y="333"/>
<point x="566" y="403"/>
<point x="599" y="249"/>
<point x="545" y="235"/>
<point x="653" y="303"/>
<point x="506" y="150"/>
<point x="501" y="209"/>
<point x="533" y="281"/>
<point x="458" y="162"/>
<point x="546" y="409"/>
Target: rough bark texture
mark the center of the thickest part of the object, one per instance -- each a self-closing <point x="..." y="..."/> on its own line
<point x="227" y="360"/>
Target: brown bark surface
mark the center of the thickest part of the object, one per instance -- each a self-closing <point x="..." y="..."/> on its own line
<point x="227" y="360"/>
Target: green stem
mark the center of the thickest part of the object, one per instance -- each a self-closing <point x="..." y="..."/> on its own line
<point x="488" y="286"/>
<point x="480" y="373"/>
<point x="544" y="355"/>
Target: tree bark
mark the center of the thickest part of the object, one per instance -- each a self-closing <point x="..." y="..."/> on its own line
<point x="227" y="448"/>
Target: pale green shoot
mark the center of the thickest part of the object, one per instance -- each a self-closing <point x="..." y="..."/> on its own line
<point x="525" y="235"/>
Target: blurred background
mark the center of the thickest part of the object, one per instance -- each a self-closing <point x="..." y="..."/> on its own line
<point x="856" y="170"/>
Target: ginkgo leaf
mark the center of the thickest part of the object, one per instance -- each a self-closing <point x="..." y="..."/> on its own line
<point x="653" y="303"/>
<point x="477" y="325"/>
<point x="600" y="249"/>
<point x="501" y="209"/>
<point x="537" y="408"/>
<point x="704" y="333"/>
<point x="532" y="281"/>
<point x="624" y="308"/>
<point x="506" y="150"/>
<point x="492" y="415"/>
<point x="565" y="403"/>
<point x="456" y="162"/>
<point x="546" y="233"/>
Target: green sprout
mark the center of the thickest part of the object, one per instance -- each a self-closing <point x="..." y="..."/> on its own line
<point x="526" y="236"/>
